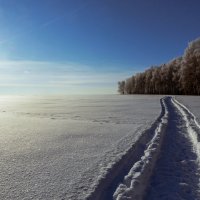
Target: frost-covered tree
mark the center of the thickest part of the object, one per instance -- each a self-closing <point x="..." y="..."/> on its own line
<point x="121" y="87"/>
<point x="179" y="76"/>
<point x="190" y="70"/>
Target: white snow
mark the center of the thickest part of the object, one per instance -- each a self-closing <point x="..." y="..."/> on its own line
<point x="56" y="147"/>
<point x="135" y="183"/>
<point x="170" y="163"/>
<point x="176" y="175"/>
<point x="192" y="103"/>
<point x="193" y="127"/>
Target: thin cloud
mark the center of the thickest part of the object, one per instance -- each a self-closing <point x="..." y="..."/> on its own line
<point x="66" y="15"/>
<point x="76" y="77"/>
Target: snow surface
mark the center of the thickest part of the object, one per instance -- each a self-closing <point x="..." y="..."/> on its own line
<point x="176" y="175"/>
<point x="169" y="163"/>
<point x="192" y="103"/>
<point x="62" y="147"/>
<point x="135" y="183"/>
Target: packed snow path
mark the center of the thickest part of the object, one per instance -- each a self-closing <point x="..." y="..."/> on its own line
<point x="176" y="173"/>
<point x="169" y="166"/>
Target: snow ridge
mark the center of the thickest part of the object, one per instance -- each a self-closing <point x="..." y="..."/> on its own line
<point x="116" y="173"/>
<point x="135" y="183"/>
<point x="193" y="126"/>
<point x="187" y="112"/>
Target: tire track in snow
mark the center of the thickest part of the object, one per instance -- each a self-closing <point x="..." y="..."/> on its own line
<point x="176" y="174"/>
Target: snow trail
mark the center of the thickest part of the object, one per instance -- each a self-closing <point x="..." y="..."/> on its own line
<point x="169" y="167"/>
<point x="192" y="125"/>
<point x="176" y="175"/>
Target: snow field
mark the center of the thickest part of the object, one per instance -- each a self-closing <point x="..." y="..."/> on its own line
<point x="99" y="148"/>
<point x="66" y="147"/>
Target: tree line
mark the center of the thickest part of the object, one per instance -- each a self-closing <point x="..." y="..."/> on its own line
<point x="179" y="76"/>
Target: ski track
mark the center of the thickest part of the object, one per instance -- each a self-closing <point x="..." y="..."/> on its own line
<point x="176" y="175"/>
<point x="162" y="164"/>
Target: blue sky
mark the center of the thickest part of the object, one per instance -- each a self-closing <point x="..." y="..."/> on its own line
<point x="86" y="46"/>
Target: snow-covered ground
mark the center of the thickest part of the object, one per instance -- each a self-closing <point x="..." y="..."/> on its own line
<point x="176" y="175"/>
<point x="64" y="147"/>
<point x="99" y="147"/>
<point x="191" y="102"/>
<point x="169" y="167"/>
